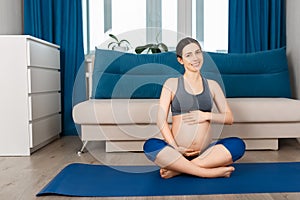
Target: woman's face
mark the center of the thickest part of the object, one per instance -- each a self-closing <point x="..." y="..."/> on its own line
<point x="192" y="57"/>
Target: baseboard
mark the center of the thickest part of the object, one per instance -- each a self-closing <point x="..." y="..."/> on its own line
<point x="35" y="148"/>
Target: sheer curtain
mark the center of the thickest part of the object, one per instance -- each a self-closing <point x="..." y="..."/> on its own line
<point x="59" y="22"/>
<point x="256" y="25"/>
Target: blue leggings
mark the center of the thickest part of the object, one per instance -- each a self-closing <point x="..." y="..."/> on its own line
<point x="235" y="146"/>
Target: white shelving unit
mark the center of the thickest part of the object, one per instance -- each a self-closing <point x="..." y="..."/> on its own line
<point x="30" y="101"/>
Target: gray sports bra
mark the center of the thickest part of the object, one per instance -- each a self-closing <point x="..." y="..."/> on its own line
<point x="185" y="102"/>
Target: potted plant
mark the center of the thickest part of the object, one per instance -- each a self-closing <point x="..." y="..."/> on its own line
<point x="118" y="45"/>
<point x="154" y="48"/>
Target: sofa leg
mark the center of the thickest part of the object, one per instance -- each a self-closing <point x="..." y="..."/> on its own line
<point x="82" y="148"/>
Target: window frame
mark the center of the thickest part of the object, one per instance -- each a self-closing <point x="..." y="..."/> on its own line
<point x="185" y="22"/>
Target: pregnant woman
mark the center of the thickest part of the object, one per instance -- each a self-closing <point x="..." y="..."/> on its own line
<point x="187" y="146"/>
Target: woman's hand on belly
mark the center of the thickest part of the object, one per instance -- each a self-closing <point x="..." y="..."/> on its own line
<point x="195" y="117"/>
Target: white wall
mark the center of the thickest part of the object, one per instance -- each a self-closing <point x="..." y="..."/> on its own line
<point x="11" y="17"/>
<point x="293" y="43"/>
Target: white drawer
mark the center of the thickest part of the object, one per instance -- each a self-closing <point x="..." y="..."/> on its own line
<point x="42" y="130"/>
<point x="43" y="80"/>
<point x="41" y="55"/>
<point x="43" y="104"/>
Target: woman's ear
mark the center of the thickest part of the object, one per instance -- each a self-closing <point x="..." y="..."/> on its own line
<point x="179" y="59"/>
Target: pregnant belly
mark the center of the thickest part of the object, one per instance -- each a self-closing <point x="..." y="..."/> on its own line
<point x="196" y="136"/>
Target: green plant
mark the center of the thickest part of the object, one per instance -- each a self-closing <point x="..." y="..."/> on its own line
<point x="154" y="48"/>
<point x="124" y="44"/>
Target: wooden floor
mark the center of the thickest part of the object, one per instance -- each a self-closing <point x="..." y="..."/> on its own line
<point x="23" y="177"/>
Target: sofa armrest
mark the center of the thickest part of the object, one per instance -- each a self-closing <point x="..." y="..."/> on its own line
<point x="89" y="63"/>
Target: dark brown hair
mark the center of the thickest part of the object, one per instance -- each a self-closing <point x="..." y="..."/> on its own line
<point x="183" y="42"/>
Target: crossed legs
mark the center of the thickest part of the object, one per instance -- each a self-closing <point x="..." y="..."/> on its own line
<point x="212" y="163"/>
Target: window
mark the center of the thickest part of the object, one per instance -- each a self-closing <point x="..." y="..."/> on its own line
<point x="214" y="25"/>
<point x="128" y="15"/>
<point x="144" y="21"/>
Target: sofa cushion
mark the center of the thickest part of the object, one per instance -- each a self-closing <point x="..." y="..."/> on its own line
<point x="259" y="74"/>
<point x="144" y="111"/>
<point x="264" y="109"/>
<point x="127" y="86"/>
<point x="116" y="111"/>
<point x="120" y="75"/>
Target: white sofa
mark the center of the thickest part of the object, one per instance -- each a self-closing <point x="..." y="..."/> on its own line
<point x="124" y="124"/>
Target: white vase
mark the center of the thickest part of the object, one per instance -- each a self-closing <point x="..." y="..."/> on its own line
<point x="120" y="48"/>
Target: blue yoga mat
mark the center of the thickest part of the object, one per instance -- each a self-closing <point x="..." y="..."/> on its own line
<point x="102" y="181"/>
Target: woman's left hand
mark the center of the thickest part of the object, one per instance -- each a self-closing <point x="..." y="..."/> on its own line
<point x="195" y="117"/>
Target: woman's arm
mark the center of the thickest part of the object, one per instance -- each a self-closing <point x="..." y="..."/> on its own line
<point x="225" y="115"/>
<point x="163" y="111"/>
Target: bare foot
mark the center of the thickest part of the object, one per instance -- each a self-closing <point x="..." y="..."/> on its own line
<point x="166" y="173"/>
<point x="207" y="172"/>
<point x="218" y="172"/>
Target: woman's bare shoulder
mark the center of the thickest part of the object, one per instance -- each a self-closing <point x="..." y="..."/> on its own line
<point x="171" y="84"/>
<point x="213" y="83"/>
<point x="215" y="87"/>
<point x="171" y="81"/>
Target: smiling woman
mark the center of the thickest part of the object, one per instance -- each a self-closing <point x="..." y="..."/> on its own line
<point x="187" y="146"/>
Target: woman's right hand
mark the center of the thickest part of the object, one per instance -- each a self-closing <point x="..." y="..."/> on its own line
<point x="191" y="153"/>
<point x="187" y="152"/>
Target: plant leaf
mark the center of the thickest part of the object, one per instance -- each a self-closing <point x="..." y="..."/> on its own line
<point x="114" y="37"/>
<point x="163" y="46"/>
<point x="113" y="44"/>
<point x="124" y="41"/>
<point x="140" y="49"/>
<point x="156" y="38"/>
<point x="155" y="50"/>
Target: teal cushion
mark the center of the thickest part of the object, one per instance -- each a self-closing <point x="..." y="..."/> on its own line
<point x="124" y="86"/>
<point x="260" y="74"/>
<point x="126" y="75"/>
<point x="262" y="62"/>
